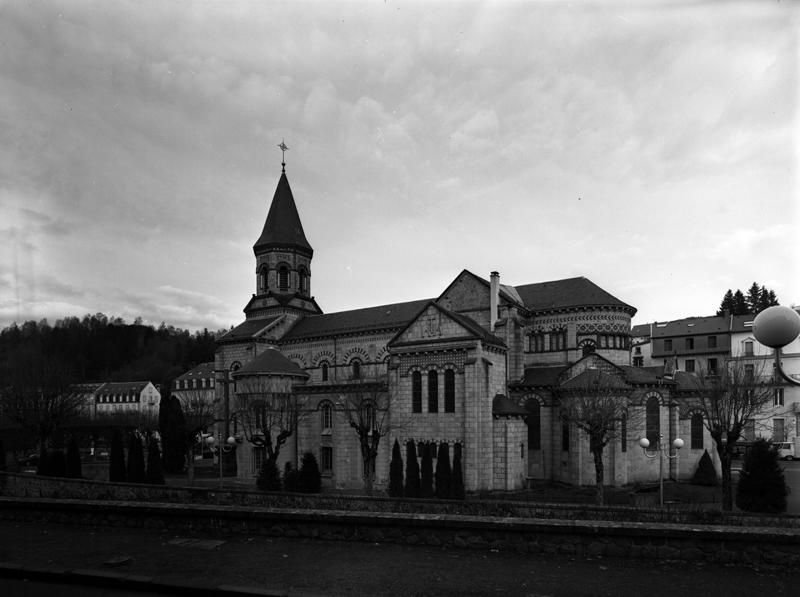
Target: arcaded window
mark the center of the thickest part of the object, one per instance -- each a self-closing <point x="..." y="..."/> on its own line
<point x="433" y="391"/>
<point x="697" y="431"/>
<point x="449" y="391"/>
<point x="653" y="421"/>
<point x="416" y="392"/>
<point x="534" y="422"/>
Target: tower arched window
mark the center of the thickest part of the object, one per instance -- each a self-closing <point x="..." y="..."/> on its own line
<point x="303" y="273"/>
<point x="433" y="391"/>
<point x="283" y="278"/>
<point x="324" y="369"/>
<point x="356" y="368"/>
<point x="416" y="392"/>
<point x="262" y="278"/>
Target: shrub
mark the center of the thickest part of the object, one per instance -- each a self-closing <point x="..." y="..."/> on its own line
<point x="289" y="478"/>
<point x="269" y="479"/>
<point x="309" y="480"/>
<point x="443" y="472"/>
<point x="396" y="472"/>
<point x="136" y="472"/>
<point x="762" y="486"/>
<point x="457" y="479"/>
<point x="155" y="473"/>
<point x="73" y="460"/>
<point x="55" y="464"/>
<point x="426" y="480"/>
<point x="412" y="470"/>
<point x="705" y="474"/>
<point x="116" y="462"/>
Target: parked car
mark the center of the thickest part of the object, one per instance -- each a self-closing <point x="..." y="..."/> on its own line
<point x="785" y="450"/>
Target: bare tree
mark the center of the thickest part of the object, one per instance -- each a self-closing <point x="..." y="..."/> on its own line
<point x="730" y="398"/>
<point x="199" y="413"/>
<point x="267" y="418"/>
<point x="366" y="409"/>
<point x="596" y="402"/>
<point x="35" y="393"/>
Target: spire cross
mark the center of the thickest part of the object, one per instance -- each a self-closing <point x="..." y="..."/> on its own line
<point x="284" y="149"/>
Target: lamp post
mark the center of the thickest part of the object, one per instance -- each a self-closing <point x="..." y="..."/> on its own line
<point x="663" y="452"/>
<point x="222" y="448"/>
<point x="776" y="327"/>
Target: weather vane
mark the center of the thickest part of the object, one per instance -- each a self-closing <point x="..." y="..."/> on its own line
<point x="284" y="149"/>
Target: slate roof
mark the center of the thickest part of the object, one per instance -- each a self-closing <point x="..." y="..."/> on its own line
<point x="248" y="329"/>
<point x="202" y="371"/>
<point x="122" y="387"/>
<point x="690" y="326"/>
<point x="383" y="317"/>
<point x="471" y="325"/>
<point x="283" y="227"/>
<point x="272" y="362"/>
<point x="540" y="376"/>
<point x="549" y="376"/>
<point x="504" y="406"/>
<point x="571" y="292"/>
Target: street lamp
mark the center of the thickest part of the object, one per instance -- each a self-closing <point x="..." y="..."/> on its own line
<point x="776" y="327"/>
<point x="223" y="448"/>
<point x="663" y="452"/>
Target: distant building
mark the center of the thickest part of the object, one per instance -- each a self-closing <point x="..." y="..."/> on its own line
<point x="139" y="399"/>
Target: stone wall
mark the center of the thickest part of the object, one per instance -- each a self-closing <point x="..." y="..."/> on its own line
<point x="752" y="545"/>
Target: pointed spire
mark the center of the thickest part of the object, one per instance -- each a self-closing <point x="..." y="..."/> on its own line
<point x="283" y="229"/>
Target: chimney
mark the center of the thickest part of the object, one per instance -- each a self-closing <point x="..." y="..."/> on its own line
<point x="494" y="298"/>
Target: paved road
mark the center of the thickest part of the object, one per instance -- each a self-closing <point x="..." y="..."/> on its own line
<point x="301" y="566"/>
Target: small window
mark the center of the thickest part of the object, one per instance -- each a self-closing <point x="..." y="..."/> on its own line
<point x="449" y="391"/>
<point x="668" y="344"/>
<point x="259" y="454"/>
<point x="564" y="435"/>
<point x="777" y="397"/>
<point x="356" y="365"/>
<point x="283" y="278"/>
<point x="324" y="368"/>
<point x="326" y="460"/>
<point x="712" y="341"/>
<point x="690" y="365"/>
<point x="749" y="373"/>
<point x="748" y="348"/>
<point x="638" y="361"/>
<point x="689" y="343"/>
<point x="637" y="350"/>
<point x="326" y="417"/>
<point x="712" y="366"/>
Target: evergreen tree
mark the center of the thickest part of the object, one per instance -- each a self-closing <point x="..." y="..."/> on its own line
<point x="42" y="462"/>
<point x="289" y="478"/>
<point x="443" y="472"/>
<point x="55" y="464"/>
<point x="269" y="479"/>
<point x="457" y="481"/>
<point x="173" y="437"/>
<point x="136" y="470"/>
<point x="309" y="480"/>
<point x="116" y="462"/>
<point x="705" y="474"/>
<point x="752" y="298"/>
<point x="727" y="304"/>
<point x="412" y="470"/>
<point x="426" y="474"/>
<point x="73" y="459"/>
<point x="396" y="472"/>
<point x="762" y="486"/>
<point x="155" y="472"/>
<point x="739" y="303"/>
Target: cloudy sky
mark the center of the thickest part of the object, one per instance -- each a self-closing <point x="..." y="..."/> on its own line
<point x="650" y="147"/>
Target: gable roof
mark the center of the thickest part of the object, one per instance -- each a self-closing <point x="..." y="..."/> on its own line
<point x="470" y="325"/>
<point x="271" y="362"/>
<point x="571" y="292"/>
<point x="203" y="370"/>
<point x="383" y="317"/>
<point x="505" y="291"/>
<point x="283" y="228"/>
<point x="248" y="329"/>
<point x="122" y="387"/>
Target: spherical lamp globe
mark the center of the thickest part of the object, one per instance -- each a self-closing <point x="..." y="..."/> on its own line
<point x="776" y="326"/>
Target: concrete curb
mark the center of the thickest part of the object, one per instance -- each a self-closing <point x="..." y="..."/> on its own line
<point x="115" y="580"/>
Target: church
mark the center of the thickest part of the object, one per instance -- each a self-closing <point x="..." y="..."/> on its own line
<point x="482" y="366"/>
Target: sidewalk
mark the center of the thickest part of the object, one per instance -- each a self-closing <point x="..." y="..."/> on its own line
<point x="195" y="564"/>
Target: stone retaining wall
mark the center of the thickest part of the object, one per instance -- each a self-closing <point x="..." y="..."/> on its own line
<point x="32" y="486"/>
<point x="724" y="544"/>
